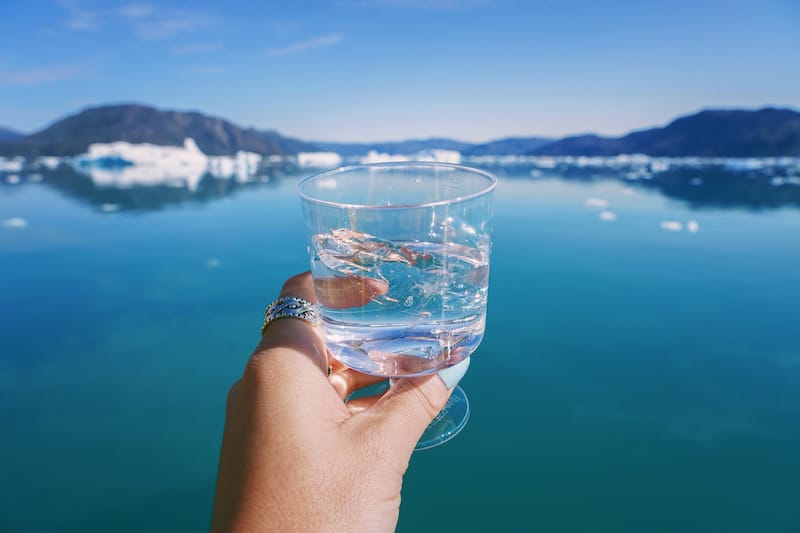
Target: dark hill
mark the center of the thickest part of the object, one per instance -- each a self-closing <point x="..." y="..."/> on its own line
<point x="399" y="147"/>
<point x="711" y="133"/>
<point x="7" y="134"/>
<point x="508" y="146"/>
<point x="142" y="124"/>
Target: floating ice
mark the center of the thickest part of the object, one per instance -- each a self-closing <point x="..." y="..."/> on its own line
<point x="659" y="165"/>
<point x="318" y="159"/>
<point x="607" y="216"/>
<point x="381" y="157"/>
<point x="599" y="203"/>
<point x="109" y="208"/>
<point x="11" y="164"/>
<point x="242" y="167"/>
<point x="122" y="164"/>
<point x="15" y="223"/>
<point x="48" y="162"/>
<point x="12" y="179"/>
<point x="440" y="156"/>
<point x="692" y="226"/>
<point x="671" y="225"/>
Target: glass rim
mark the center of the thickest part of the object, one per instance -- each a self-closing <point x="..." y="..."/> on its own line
<point x="491" y="178"/>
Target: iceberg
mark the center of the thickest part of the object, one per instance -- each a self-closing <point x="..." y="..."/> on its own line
<point x="440" y="156"/>
<point x="318" y="159"/>
<point x="15" y="222"/>
<point x="123" y="164"/>
<point x="11" y="164"/>
<point x="671" y="225"/>
<point x="600" y="203"/>
<point x="48" y="162"/>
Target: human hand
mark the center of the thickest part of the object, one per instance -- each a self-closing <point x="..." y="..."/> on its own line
<point x="295" y="456"/>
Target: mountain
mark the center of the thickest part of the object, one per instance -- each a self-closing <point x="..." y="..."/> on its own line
<point x="7" y="134"/>
<point x="508" y="146"/>
<point x="401" y="147"/>
<point x="142" y="124"/>
<point x="709" y="133"/>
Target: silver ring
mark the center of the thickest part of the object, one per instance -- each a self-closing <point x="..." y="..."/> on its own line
<point x="290" y="307"/>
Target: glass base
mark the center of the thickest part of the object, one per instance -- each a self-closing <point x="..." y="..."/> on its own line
<point x="448" y="423"/>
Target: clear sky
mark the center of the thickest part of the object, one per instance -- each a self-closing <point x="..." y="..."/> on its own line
<point x="374" y="70"/>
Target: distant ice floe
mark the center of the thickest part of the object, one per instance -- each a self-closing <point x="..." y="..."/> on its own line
<point x="634" y="167"/>
<point x="12" y="179"/>
<point x="608" y="216"/>
<point x="318" y="159"/>
<point x="599" y="203"/>
<point x="48" y="162"/>
<point x="123" y="164"/>
<point x="441" y="156"/>
<point x="15" y="223"/>
<point x="109" y="208"/>
<point x="12" y="164"/>
<point x="692" y="226"/>
<point x="781" y="181"/>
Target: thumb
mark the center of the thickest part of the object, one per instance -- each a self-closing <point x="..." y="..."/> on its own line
<point x="411" y="404"/>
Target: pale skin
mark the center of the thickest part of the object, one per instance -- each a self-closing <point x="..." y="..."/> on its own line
<point x="296" y="457"/>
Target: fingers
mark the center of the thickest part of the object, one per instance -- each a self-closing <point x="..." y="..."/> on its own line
<point x="300" y="285"/>
<point x="346" y="292"/>
<point x="346" y="381"/>
<point x="407" y="408"/>
<point x="292" y="333"/>
<point x="362" y="404"/>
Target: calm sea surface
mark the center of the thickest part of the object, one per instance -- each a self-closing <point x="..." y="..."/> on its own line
<point x="633" y="378"/>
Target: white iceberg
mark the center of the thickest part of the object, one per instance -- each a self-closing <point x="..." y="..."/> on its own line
<point x="318" y="159"/>
<point x="242" y="167"/>
<point x="49" y="162"/>
<point x="11" y="164"/>
<point x="608" y="216"/>
<point x="439" y="156"/>
<point x="599" y="203"/>
<point x="15" y="223"/>
<point x="671" y="225"/>
<point x="123" y="164"/>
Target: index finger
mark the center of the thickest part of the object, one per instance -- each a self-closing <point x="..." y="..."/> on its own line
<point x="348" y="291"/>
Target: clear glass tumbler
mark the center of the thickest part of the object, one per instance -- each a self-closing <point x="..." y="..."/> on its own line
<point x="400" y="260"/>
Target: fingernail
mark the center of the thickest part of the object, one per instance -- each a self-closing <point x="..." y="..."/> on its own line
<point x="451" y="376"/>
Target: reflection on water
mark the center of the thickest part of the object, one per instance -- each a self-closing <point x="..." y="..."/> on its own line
<point x="108" y="195"/>
<point x="753" y="184"/>
<point x="702" y="183"/>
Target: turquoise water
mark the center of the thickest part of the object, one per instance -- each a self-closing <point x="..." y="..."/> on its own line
<point x="631" y="378"/>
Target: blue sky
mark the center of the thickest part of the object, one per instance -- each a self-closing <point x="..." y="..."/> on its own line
<point x="370" y="70"/>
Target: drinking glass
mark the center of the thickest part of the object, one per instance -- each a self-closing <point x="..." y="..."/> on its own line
<point x="412" y="240"/>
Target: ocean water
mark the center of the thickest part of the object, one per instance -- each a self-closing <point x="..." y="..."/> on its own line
<point x="640" y="369"/>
